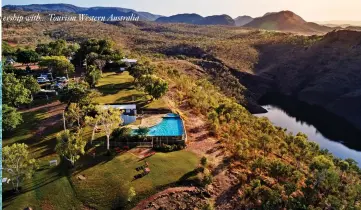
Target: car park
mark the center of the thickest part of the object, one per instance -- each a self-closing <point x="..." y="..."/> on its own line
<point x="61" y="79"/>
<point x="42" y="80"/>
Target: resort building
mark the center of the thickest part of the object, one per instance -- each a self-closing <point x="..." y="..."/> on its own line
<point x="129" y="114"/>
<point x="130" y="62"/>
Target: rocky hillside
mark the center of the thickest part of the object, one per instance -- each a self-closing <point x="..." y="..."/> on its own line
<point x="325" y="73"/>
<point x="243" y="20"/>
<point x="218" y="20"/>
<point x="181" y="18"/>
<point x="287" y="21"/>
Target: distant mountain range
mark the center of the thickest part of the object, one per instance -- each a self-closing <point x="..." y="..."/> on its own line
<point x="280" y="21"/>
<point x="243" y="20"/>
<point x="286" y="21"/>
<point x="342" y="23"/>
<point x="92" y="11"/>
<point x="197" y="19"/>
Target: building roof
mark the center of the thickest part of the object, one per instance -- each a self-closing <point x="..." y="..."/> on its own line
<point x="126" y="60"/>
<point x="124" y="106"/>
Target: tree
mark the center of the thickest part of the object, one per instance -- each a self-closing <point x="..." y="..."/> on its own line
<point x="208" y="206"/>
<point x="143" y="131"/>
<point x="59" y="65"/>
<point x="279" y="169"/>
<point x="122" y="133"/>
<point x="259" y="163"/>
<point x="14" y="91"/>
<point x="242" y="149"/>
<point x="283" y="148"/>
<point x="131" y="194"/>
<point x="71" y="50"/>
<point x="154" y="86"/>
<point x="101" y="48"/>
<point x="321" y="162"/>
<point x="31" y="84"/>
<point x="92" y="75"/>
<point x="207" y="177"/>
<point x="11" y="118"/>
<point x="43" y="49"/>
<point x="204" y="161"/>
<point x="107" y="119"/>
<point x="79" y="92"/>
<point x="265" y="141"/>
<point x="141" y="69"/>
<point x="75" y="114"/>
<point x="70" y="145"/>
<point x="344" y="166"/>
<point x="18" y="164"/>
<point x="57" y="47"/>
<point x="8" y="50"/>
<point x="27" y="56"/>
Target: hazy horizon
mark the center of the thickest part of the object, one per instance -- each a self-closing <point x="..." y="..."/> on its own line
<point x="310" y="10"/>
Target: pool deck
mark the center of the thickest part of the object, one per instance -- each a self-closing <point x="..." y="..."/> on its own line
<point x="148" y="121"/>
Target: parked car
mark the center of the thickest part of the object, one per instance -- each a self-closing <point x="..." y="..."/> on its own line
<point x="42" y="80"/>
<point x="49" y="76"/>
<point x="59" y="86"/>
<point x="61" y="79"/>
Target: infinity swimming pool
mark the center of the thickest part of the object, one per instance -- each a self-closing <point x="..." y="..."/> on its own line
<point x="171" y="125"/>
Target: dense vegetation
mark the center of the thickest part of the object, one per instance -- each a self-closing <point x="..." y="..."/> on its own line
<point x="274" y="169"/>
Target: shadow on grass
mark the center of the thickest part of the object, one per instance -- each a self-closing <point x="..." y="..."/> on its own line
<point x="45" y="175"/>
<point x="134" y="98"/>
<point x="88" y="161"/>
<point x="111" y="89"/>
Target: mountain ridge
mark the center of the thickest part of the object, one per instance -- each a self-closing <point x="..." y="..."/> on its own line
<point x="243" y="20"/>
<point x="93" y="11"/>
<point x="287" y="21"/>
<point x="197" y="19"/>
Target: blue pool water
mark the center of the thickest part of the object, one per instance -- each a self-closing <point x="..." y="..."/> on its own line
<point x="171" y="125"/>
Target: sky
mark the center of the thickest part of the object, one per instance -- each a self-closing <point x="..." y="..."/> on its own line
<point x="310" y="10"/>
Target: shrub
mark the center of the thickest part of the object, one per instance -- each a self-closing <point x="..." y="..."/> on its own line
<point x="168" y="148"/>
<point x="204" y="161"/>
<point x="121" y="134"/>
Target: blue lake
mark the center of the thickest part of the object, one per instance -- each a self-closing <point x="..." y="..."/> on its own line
<point x="329" y="131"/>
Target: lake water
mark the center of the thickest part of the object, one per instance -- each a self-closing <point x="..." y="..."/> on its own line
<point x="329" y="131"/>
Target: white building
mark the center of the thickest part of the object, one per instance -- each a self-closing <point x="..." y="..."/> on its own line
<point x="130" y="61"/>
<point x="129" y="114"/>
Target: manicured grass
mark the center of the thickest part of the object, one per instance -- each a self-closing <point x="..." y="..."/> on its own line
<point x="49" y="188"/>
<point x="119" y="88"/>
<point x="25" y="130"/>
<point x="107" y="183"/>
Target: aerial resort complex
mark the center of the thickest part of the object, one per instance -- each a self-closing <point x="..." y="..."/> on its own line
<point x="161" y="129"/>
<point x="108" y="108"/>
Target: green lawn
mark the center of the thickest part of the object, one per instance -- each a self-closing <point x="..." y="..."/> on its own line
<point x="107" y="182"/>
<point x="48" y="189"/>
<point x="119" y="88"/>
